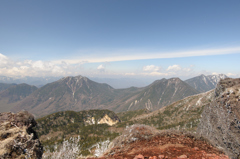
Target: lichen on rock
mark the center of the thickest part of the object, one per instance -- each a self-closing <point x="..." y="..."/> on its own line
<point x="17" y="137"/>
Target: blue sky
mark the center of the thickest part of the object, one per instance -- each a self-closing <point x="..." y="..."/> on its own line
<point x="110" y="38"/>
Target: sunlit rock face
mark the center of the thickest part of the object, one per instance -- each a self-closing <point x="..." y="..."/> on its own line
<point x="107" y="120"/>
<point x="104" y="120"/>
<point x="17" y="138"/>
<point x="221" y="118"/>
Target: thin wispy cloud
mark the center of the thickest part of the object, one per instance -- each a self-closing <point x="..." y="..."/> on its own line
<point x="127" y="56"/>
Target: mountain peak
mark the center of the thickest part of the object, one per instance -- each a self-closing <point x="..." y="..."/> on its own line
<point x="75" y="78"/>
<point x="205" y="83"/>
<point x="175" y="79"/>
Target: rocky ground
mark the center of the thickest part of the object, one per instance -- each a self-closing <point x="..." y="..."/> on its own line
<point x="145" y="142"/>
<point x="220" y="121"/>
<point x="17" y="138"/>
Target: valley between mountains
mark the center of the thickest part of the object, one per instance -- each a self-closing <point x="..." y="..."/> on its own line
<point x="202" y="113"/>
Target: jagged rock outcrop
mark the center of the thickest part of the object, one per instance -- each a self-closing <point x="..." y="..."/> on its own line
<point x="107" y="120"/>
<point x="221" y="119"/>
<point x="17" y="138"/>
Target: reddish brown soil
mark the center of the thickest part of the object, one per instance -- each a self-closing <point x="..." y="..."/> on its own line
<point x="171" y="146"/>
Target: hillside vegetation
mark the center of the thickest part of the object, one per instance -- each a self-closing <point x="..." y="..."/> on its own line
<point x="182" y="115"/>
<point x="54" y="128"/>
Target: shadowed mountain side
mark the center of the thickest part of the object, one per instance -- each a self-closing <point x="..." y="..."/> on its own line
<point x="70" y="93"/>
<point x="12" y="95"/>
<point x="4" y="86"/>
<point x="155" y="96"/>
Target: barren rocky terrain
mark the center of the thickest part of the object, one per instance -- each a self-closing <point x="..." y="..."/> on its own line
<point x="140" y="142"/>
<point x="17" y="138"/>
<point x="221" y="119"/>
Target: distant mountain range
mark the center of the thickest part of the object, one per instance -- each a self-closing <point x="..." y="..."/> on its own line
<point x="37" y="81"/>
<point x="13" y="93"/>
<point x="80" y="93"/>
<point x="204" y="83"/>
<point x="4" y="86"/>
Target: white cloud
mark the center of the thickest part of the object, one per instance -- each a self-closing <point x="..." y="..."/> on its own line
<point x="130" y="74"/>
<point x="4" y="61"/>
<point x="159" y="74"/>
<point x="142" y="55"/>
<point x="215" y="73"/>
<point x="3" y="57"/>
<point x="187" y="69"/>
<point x="231" y="75"/>
<point x="100" y="67"/>
<point x="38" y="68"/>
<point x="151" y="68"/>
<point x="174" y="68"/>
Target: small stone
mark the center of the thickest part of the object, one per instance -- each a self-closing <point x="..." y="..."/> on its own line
<point x="211" y="155"/>
<point x="139" y="157"/>
<point x="161" y="156"/>
<point x="182" y="156"/>
<point x="196" y="148"/>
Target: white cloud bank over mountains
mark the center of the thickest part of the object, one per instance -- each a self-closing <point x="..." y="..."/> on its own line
<point x="11" y="68"/>
<point x="172" y="70"/>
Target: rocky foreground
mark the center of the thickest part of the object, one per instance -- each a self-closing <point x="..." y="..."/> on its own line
<point x="220" y="121"/>
<point x="17" y="138"/>
<point x="145" y="142"/>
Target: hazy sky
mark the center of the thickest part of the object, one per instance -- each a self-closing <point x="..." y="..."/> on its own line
<point x="124" y="38"/>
